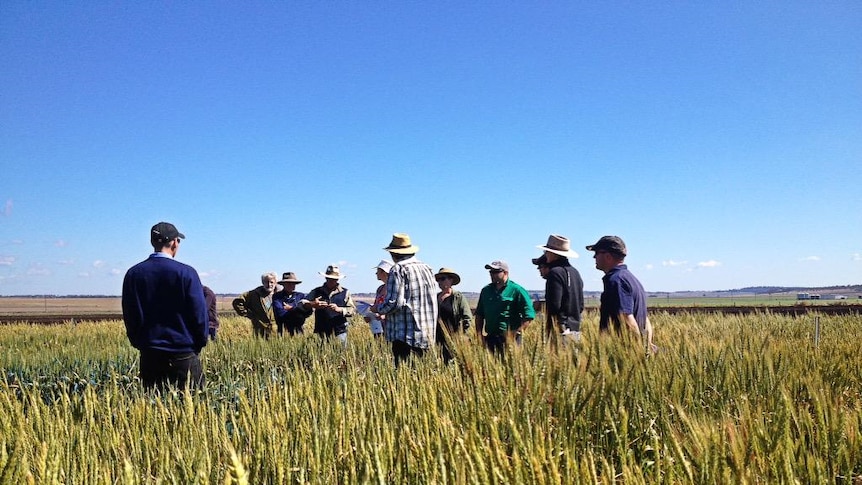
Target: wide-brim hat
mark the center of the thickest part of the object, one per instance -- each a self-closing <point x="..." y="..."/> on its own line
<point x="450" y="273"/>
<point x="332" y="273"/>
<point x="401" y="245"/>
<point x="559" y="245"/>
<point x="289" y="277"/>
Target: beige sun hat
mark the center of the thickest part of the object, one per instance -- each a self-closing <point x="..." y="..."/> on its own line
<point x="332" y="273"/>
<point x="450" y="273"/>
<point x="559" y="245"/>
<point x="401" y="244"/>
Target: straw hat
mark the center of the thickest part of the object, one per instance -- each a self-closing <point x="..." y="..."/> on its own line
<point x="450" y="273"/>
<point x="401" y="245"/>
<point x="332" y="273"/>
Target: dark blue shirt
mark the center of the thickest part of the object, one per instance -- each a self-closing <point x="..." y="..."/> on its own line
<point x="296" y="314"/>
<point x="164" y="306"/>
<point x="623" y="293"/>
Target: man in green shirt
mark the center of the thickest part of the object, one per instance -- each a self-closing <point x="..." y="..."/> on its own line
<point x="504" y="309"/>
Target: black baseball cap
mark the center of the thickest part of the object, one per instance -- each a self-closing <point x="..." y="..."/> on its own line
<point x="164" y="232"/>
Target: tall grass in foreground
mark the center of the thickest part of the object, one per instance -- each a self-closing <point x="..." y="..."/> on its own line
<point x="728" y="400"/>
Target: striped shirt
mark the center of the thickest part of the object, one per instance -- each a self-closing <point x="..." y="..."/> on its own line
<point x="411" y="304"/>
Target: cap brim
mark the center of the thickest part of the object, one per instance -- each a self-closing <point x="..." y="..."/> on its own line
<point x="181" y="235"/>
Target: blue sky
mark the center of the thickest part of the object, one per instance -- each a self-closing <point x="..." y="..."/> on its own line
<point x="721" y="140"/>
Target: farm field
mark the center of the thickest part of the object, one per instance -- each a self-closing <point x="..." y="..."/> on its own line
<point x="729" y="399"/>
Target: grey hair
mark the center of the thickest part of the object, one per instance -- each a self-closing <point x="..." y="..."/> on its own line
<point x="268" y="275"/>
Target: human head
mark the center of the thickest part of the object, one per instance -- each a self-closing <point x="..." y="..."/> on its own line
<point x="383" y="268"/>
<point x="401" y="247"/>
<point x="164" y="237"/>
<point x="268" y="280"/>
<point x="499" y="272"/>
<point x="557" y="247"/>
<point x="332" y="275"/>
<point x="289" y="281"/>
<point x="542" y="265"/>
<point x="447" y="278"/>
<point x="610" y="251"/>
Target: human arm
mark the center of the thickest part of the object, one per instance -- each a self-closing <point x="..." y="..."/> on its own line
<point x="462" y="309"/>
<point x="630" y="322"/>
<point x="239" y="305"/>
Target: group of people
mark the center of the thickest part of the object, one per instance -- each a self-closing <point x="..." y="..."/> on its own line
<point x="165" y="308"/>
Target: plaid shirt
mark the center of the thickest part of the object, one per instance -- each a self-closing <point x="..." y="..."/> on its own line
<point x="411" y="304"/>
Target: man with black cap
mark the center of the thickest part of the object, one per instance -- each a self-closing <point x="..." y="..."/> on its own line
<point x="165" y="314"/>
<point x="623" y="300"/>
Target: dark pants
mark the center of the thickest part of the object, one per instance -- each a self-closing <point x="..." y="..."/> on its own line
<point x="496" y="343"/>
<point x="402" y="352"/>
<point x="292" y="327"/>
<point x="161" y="369"/>
<point x="443" y="342"/>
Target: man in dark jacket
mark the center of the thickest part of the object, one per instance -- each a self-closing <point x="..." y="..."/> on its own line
<point x="165" y="313"/>
<point x="564" y="292"/>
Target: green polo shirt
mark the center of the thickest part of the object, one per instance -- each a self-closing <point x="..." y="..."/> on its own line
<point x="504" y="309"/>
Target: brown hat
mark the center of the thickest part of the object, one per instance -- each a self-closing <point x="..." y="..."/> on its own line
<point x="450" y="273"/>
<point x="611" y="244"/>
<point x="289" y="278"/>
<point x="559" y="245"/>
<point x="332" y="273"/>
<point x="401" y="245"/>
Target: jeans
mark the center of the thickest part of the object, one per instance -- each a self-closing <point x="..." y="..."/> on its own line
<point x="401" y="351"/>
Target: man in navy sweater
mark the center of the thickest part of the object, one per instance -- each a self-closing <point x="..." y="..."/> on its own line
<point x="166" y="314"/>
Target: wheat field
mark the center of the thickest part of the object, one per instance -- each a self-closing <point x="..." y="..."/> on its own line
<point x="728" y="399"/>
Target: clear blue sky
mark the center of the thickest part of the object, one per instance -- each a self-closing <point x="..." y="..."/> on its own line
<point x="721" y="140"/>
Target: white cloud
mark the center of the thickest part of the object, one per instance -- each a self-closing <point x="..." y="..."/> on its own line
<point x="115" y="272"/>
<point x="60" y="243"/>
<point x="671" y="262"/>
<point x="66" y="262"/>
<point x="708" y="264"/>
<point x="648" y="267"/>
<point x="6" y="211"/>
<point x="38" y="270"/>
<point x="810" y="258"/>
<point x="7" y="260"/>
<point x="98" y="263"/>
<point x="856" y="257"/>
<point x="84" y="274"/>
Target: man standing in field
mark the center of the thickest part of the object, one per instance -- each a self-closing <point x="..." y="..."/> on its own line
<point x="411" y="301"/>
<point x="165" y="314"/>
<point x="504" y="309"/>
<point x="564" y="292"/>
<point x="256" y="305"/>
<point x="289" y="313"/>
<point x="332" y="305"/>
<point x="623" y="300"/>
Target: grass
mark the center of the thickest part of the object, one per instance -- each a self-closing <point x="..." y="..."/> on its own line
<point x="729" y="399"/>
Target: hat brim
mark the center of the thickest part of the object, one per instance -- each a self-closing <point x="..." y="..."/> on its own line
<point x="454" y="276"/>
<point x="330" y="277"/>
<point x="566" y="254"/>
<point x="289" y="281"/>
<point x="407" y="250"/>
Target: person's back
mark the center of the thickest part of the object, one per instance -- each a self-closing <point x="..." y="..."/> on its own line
<point x="156" y="308"/>
<point x="165" y="313"/>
